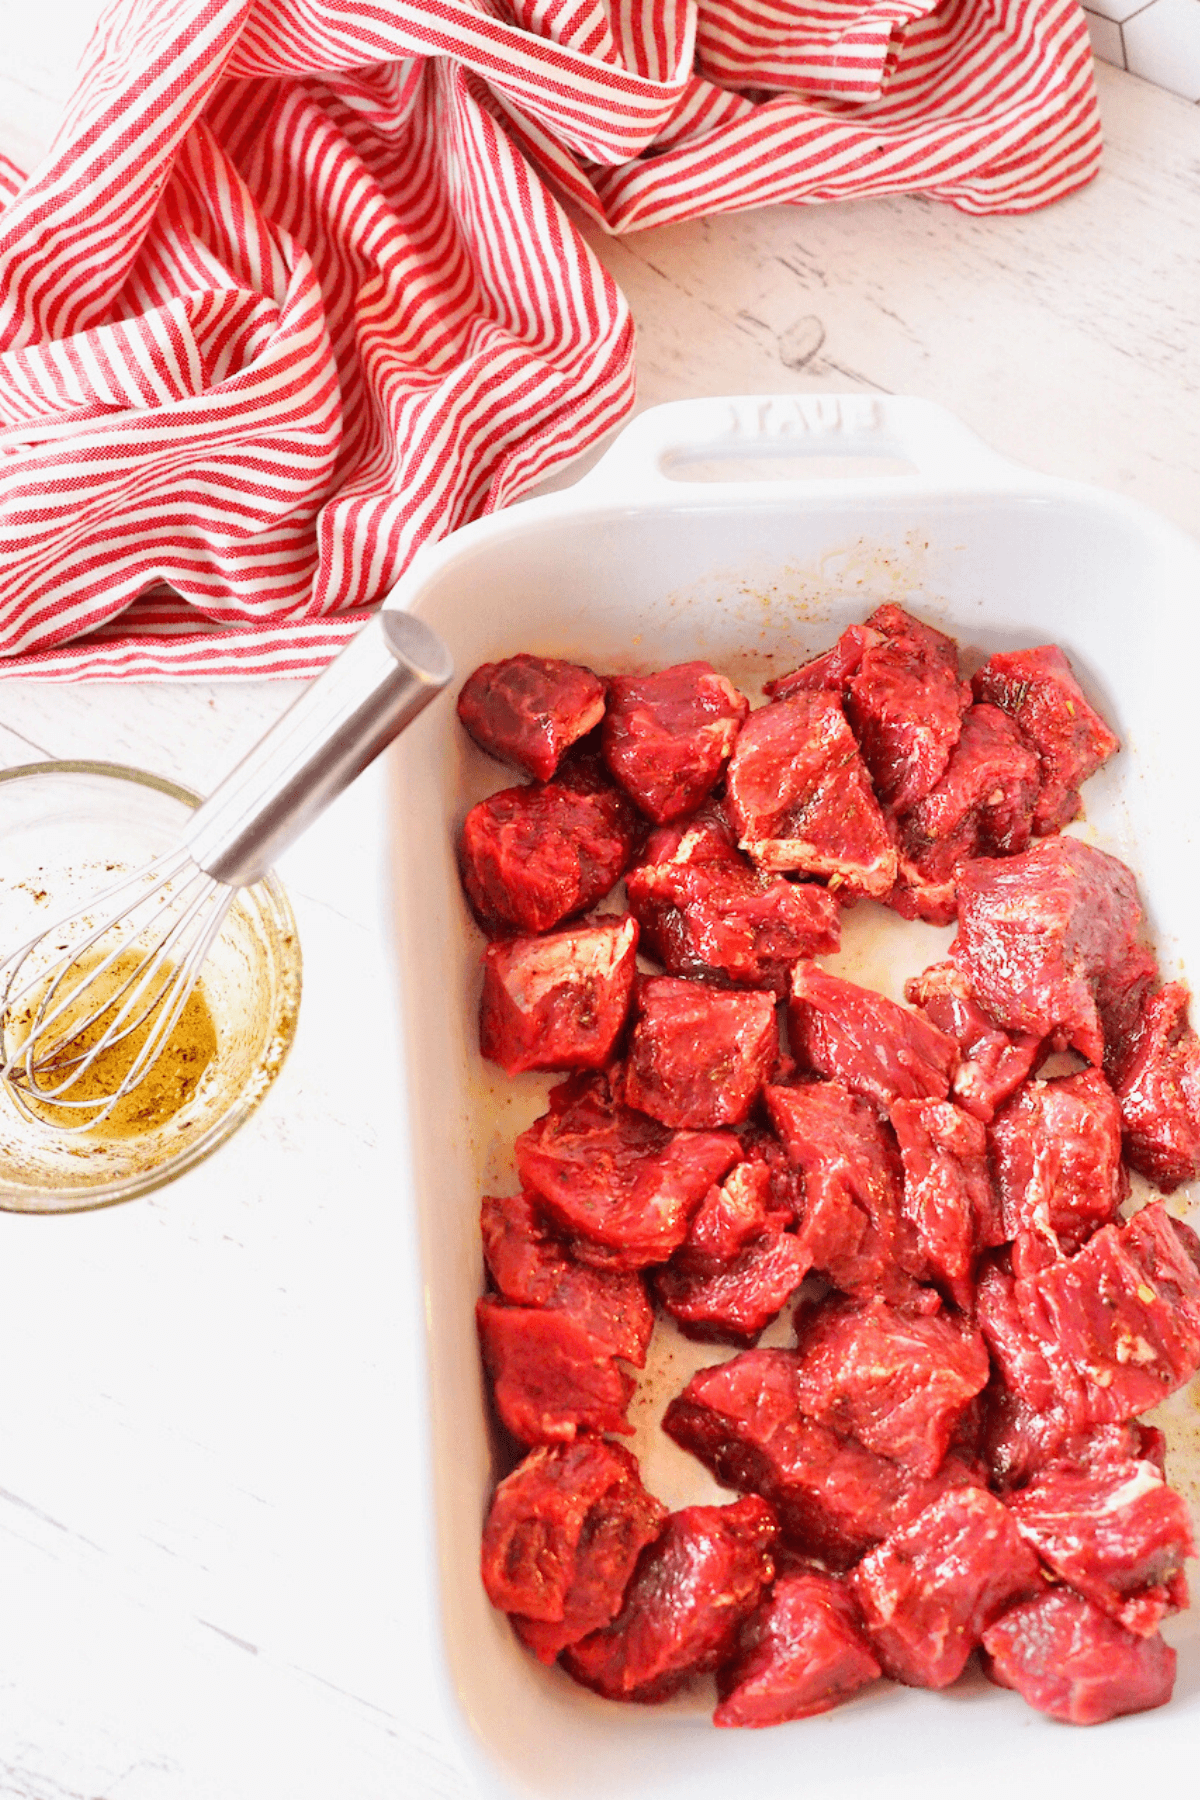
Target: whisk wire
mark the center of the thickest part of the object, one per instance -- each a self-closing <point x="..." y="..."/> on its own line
<point x="67" y="999"/>
<point x="157" y="988"/>
<point x="53" y="1003"/>
<point x="182" y="981"/>
<point x="160" y="871"/>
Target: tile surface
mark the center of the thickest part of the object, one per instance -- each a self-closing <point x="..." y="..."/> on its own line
<point x="1117" y="10"/>
<point x="1107" y="42"/>
<point x="1162" y="44"/>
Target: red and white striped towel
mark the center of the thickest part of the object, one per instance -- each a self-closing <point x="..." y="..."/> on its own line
<point x="292" y="294"/>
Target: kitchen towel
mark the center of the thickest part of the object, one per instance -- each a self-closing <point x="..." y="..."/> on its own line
<point x="293" y="291"/>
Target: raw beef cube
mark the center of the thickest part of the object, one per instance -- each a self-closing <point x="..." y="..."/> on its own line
<point x="1049" y="944"/>
<point x="1122" y="1316"/>
<point x="616" y="1539"/>
<point x="835" y="1499"/>
<point x="929" y="1591"/>
<point x="530" y="1266"/>
<point x="699" y="1055"/>
<point x="850" y="1222"/>
<point x="528" y="709"/>
<point x="619" y="1184"/>
<point x="1101" y="1446"/>
<point x="668" y="736"/>
<point x="558" y="1001"/>
<point x="550" y="1376"/>
<point x="1036" y="1416"/>
<point x="1038" y="689"/>
<point x="583" y="770"/>
<point x="537" y="1523"/>
<point x="1158" y="1088"/>
<point x="802" y="1652"/>
<point x="739" y="1262"/>
<point x="562" y="1536"/>
<point x="1031" y="1409"/>
<point x="743" y="1207"/>
<point x="898" y="626"/>
<point x="948" y="1191"/>
<point x="1030" y="1253"/>
<point x="786" y="1183"/>
<point x="1067" y="1658"/>
<point x="877" y="1047"/>
<point x="898" y="1383"/>
<point x="1057" y="1150"/>
<point x="989" y="786"/>
<point x="673" y="853"/>
<point x="831" y="670"/>
<point x="683" y="1608"/>
<point x="993" y="1064"/>
<point x="800" y="796"/>
<point x="1130" y="1441"/>
<point x="982" y="806"/>
<point x="929" y="890"/>
<point x="1017" y="1351"/>
<point x="1116" y="1532"/>
<point x="733" y="1302"/>
<point x="1016" y="1441"/>
<point x="532" y="856"/>
<point x="906" y="703"/>
<point x="705" y="911"/>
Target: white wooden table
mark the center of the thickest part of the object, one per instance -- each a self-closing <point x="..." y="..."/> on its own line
<point x="208" y="1585"/>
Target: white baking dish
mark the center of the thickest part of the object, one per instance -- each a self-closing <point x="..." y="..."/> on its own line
<point x="648" y="561"/>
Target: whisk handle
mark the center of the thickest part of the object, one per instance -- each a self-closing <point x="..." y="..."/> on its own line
<point x="367" y="695"/>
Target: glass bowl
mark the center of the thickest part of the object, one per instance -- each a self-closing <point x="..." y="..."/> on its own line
<point x="69" y="830"/>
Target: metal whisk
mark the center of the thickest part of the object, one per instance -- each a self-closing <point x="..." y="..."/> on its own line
<point x="88" y="984"/>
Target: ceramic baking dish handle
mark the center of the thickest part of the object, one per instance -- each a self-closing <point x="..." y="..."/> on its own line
<point x="671" y="444"/>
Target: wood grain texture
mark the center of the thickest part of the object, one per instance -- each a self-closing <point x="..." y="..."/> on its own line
<point x="193" y="733"/>
<point x="42" y="48"/>
<point x="210" y="1488"/>
<point x="1067" y="338"/>
<point x="210" y="1453"/>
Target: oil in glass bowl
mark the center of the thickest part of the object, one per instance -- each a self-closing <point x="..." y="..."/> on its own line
<point x="67" y="832"/>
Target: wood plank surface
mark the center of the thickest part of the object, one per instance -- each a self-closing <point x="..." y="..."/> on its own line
<point x="210" y="1453"/>
<point x="1069" y="339"/>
